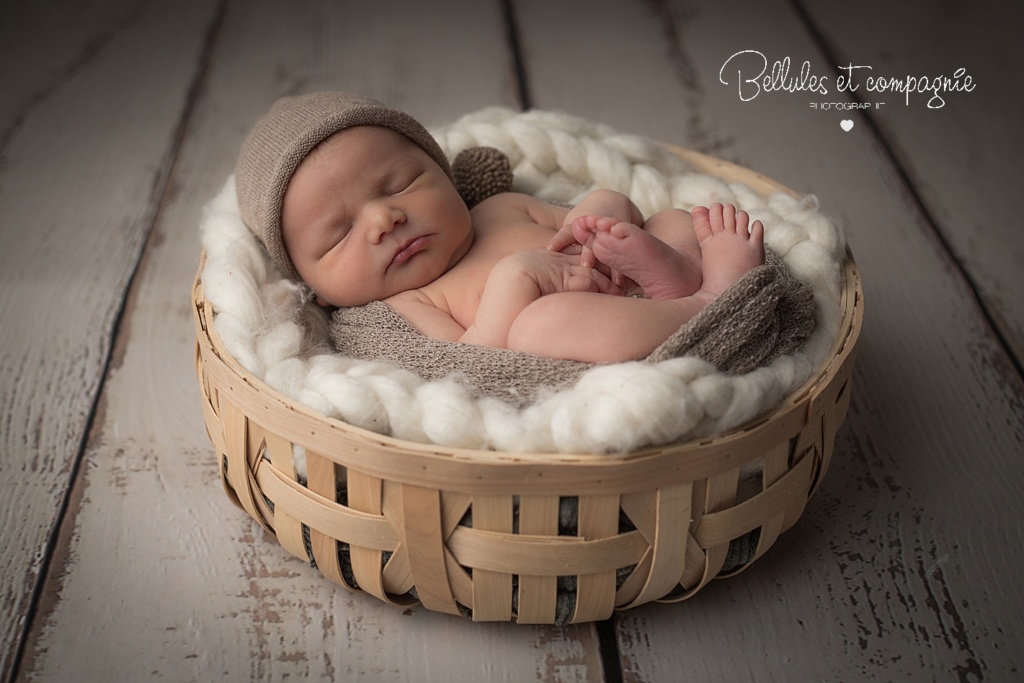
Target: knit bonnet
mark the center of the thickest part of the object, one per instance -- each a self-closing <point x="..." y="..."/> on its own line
<point x="284" y="136"/>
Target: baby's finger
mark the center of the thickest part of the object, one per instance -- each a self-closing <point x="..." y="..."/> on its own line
<point x="604" y="284"/>
<point x="561" y="239"/>
<point x="587" y="257"/>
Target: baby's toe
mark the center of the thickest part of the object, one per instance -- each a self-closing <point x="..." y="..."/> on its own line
<point x="701" y="222"/>
<point x="742" y="223"/>
<point x="716" y="216"/>
<point x="729" y="218"/>
<point x="757" y="232"/>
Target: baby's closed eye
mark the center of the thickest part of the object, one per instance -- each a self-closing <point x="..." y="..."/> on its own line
<point x="335" y="238"/>
<point x="402" y="183"/>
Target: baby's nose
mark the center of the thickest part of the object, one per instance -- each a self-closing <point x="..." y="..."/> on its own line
<point x="381" y="218"/>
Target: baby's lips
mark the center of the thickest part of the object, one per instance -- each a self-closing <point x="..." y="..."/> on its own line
<point x="409" y="249"/>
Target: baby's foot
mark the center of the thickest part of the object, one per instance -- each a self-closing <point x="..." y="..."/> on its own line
<point x="729" y="249"/>
<point x="659" y="270"/>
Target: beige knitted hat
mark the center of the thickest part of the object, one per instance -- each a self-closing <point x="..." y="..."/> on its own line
<point x="283" y="138"/>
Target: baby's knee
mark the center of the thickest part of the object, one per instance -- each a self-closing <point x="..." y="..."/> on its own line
<point x="669" y="217"/>
<point x="538" y="319"/>
<point x="670" y="223"/>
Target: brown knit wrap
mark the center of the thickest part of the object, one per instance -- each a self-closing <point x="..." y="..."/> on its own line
<point x="375" y="331"/>
<point x="286" y="134"/>
<point x="767" y="313"/>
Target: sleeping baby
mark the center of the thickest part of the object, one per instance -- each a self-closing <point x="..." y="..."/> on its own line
<point x="358" y="202"/>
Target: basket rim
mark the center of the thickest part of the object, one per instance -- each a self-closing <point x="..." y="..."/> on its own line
<point x="387" y="456"/>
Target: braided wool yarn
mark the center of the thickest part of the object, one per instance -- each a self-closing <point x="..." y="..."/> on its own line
<point x="278" y="336"/>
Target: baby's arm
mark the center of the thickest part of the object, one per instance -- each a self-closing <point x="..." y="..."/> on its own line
<point x="599" y="329"/>
<point x="512" y="285"/>
<point x="519" y="280"/>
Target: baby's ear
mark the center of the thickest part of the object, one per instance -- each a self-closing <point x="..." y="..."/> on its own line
<point x="480" y="172"/>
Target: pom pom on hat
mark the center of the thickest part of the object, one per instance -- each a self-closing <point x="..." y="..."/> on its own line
<point x="481" y="172"/>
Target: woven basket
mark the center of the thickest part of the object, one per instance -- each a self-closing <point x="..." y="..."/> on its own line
<point x="485" y="533"/>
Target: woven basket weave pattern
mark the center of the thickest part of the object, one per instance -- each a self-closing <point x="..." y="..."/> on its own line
<point x="404" y="502"/>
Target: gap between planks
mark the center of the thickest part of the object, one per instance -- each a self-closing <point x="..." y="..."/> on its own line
<point x="885" y="143"/>
<point x="60" y="534"/>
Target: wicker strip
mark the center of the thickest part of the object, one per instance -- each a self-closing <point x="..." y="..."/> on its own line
<point x="694" y="575"/>
<point x="287" y="527"/>
<point x="667" y="538"/>
<point x="239" y="462"/>
<point x="492" y="591"/>
<point x="641" y="509"/>
<point x="598" y="519"/>
<point x="538" y="516"/>
<point x="397" y="574"/>
<point x="718" y="528"/>
<point x="544" y="555"/>
<point x="775" y="467"/>
<point x="365" y="493"/>
<point x="322" y="514"/>
<point x="322" y="482"/>
<point x="460" y="580"/>
<point x="421" y="526"/>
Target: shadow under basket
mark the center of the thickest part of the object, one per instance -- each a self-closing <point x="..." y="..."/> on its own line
<point x="536" y="537"/>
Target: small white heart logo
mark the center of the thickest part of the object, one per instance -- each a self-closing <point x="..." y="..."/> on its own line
<point x="846" y="124"/>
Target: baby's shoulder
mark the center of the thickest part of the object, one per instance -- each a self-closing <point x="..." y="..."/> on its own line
<point x="411" y="298"/>
<point x="516" y="207"/>
<point x="504" y="203"/>
<point x="425" y="314"/>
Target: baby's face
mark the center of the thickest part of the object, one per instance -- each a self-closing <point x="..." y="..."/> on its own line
<point x="369" y="214"/>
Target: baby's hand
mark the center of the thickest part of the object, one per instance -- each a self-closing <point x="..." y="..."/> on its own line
<point x="581" y="232"/>
<point x="564" y="241"/>
<point x="555" y="272"/>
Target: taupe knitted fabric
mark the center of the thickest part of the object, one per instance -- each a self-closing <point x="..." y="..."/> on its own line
<point x="376" y="332"/>
<point x="765" y="314"/>
<point x="284" y="136"/>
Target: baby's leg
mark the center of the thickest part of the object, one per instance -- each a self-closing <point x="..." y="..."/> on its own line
<point x="597" y="328"/>
<point x="663" y="257"/>
<point x="674" y="227"/>
<point x="730" y="249"/>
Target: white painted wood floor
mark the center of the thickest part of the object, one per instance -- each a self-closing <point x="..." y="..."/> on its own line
<point x="122" y="560"/>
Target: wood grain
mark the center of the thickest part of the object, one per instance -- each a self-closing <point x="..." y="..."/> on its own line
<point x="82" y="162"/>
<point x="961" y="154"/>
<point x="159" y="573"/>
<point x="895" y="570"/>
<point x="905" y="565"/>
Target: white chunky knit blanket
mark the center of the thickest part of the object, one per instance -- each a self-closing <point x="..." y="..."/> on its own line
<point x="279" y="337"/>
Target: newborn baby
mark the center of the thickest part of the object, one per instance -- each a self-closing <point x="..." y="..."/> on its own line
<point x="357" y="201"/>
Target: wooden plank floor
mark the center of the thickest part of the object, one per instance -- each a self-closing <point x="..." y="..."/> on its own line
<point x="120" y="119"/>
